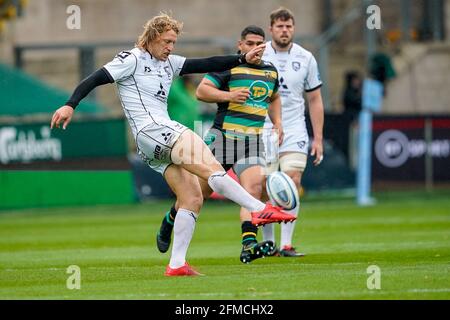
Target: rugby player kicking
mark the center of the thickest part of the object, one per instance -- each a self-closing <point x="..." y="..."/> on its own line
<point x="245" y="95"/>
<point x="143" y="77"/>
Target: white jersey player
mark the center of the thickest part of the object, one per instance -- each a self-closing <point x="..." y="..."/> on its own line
<point x="143" y="76"/>
<point x="297" y="74"/>
<point x="143" y="84"/>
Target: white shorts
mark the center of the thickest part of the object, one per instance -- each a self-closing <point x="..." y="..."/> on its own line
<point x="293" y="142"/>
<point x="155" y="142"/>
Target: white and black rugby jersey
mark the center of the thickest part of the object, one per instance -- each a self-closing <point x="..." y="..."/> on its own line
<point x="297" y="73"/>
<point x="143" y="84"/>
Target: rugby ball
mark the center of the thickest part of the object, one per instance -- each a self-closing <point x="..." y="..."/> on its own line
<point x="282" y="190"/>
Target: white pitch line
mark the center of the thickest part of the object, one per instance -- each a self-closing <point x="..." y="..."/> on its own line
<point x="429" y="290"/>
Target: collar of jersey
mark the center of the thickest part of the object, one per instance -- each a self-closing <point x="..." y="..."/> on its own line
<point x="282" y="52"/>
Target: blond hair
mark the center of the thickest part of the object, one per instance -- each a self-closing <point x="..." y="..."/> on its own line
<point x="156" y="26"/>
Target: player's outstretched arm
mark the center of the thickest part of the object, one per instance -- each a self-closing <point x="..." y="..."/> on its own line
<point x="222" y="63"/>
<point x="64" y="114"/>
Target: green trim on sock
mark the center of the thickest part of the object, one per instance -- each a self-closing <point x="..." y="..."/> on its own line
<point x="248" y="240"/>
<point x="168" y="218"/>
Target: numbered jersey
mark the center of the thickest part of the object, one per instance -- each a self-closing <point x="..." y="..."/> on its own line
<point x="297" y="73"/>
<point x="144" y="83"/>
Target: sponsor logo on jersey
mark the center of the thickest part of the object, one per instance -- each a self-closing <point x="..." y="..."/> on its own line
<point x="282" y="84"/>
<point x="161" y="95"/>
<point x="157" y="152"/>
<point x="259" y="91"/>
<point x="167" y="70"/>
<point x="147" y="69"/>
<point x="179" y="126"/>
<point x="161" y="153"/>
<point x="144" y="158"/>
<point x="167" y="136"/>
<point x="268" y="75"/>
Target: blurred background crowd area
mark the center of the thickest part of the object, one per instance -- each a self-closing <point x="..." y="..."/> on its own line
<point x="42" y="59"/>
<point x="413" y="35"/>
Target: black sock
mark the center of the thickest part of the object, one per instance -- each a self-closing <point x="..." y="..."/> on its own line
<point x="171" y="214"/>
<point x="249" y="232"/>
<point x="168" y="221"/>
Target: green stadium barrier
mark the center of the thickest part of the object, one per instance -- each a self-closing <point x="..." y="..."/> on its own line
<point x="83" y="165"/>
<point x="28" y="142"/>
<point x="31" y="189"/>
<point x="22" y="95"/>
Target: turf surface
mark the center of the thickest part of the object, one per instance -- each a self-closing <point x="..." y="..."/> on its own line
<point x="406" y="236"/>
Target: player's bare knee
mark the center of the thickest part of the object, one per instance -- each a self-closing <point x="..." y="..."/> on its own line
<point x="194" y="198"/>
<point x="197" y="203"/>
<point x="193" y="202"/>
<point x="214" y="167"/>
<point x="208" y="169"/>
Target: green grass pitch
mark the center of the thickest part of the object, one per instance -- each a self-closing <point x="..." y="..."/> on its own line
<point x="405" y="235"/>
